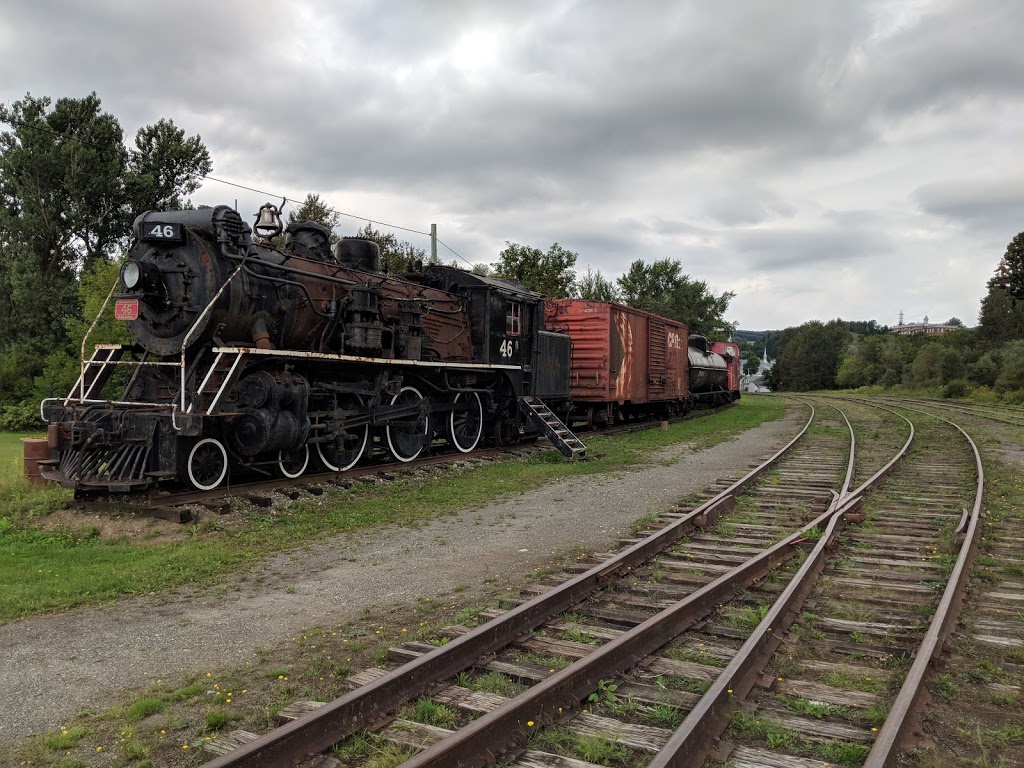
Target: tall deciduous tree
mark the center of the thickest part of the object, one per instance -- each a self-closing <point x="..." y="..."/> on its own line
<point x="1001" y="316"/>
<point x="165" y="167"/>
<point x="593" y="285"/>
<point x="662" y="287"/>
<point x="809" y="355"/>
<point x="551" y="273"/>
<point x="69" y="190"/>
<point x="61" y="208"/>
<point x="395" y="254"/>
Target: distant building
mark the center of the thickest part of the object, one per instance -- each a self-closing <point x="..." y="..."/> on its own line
<point x="755" y="382"/>
<point x="924" y="327"/>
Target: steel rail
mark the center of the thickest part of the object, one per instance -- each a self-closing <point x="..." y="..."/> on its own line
<point x="361" y="708"/>
<point x="509" y="725"/>
<point x="695" y="738"/>
<point x="894" y="730"/>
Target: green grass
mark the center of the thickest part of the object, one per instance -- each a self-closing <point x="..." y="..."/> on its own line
<point x="143" y="708"/>
<point x="19" y="497"/>
<point x="56" y="570"/>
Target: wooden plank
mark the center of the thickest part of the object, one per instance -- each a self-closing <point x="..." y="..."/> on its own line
<point x="856" y="670"/>
<point x="814" y="729"/>
<point x="646" y="738"/>
<point x="419" y="736"/>
<point x="171" y="514"/>
<point x="297" y="709"/>
<point x="229" y="741"/>
<point x="811" y="691"/>
<point x="643" y="737"/>
<point x="688" y="670"/>
<point x="653" y="695"/>
<point x="746" y="757"/>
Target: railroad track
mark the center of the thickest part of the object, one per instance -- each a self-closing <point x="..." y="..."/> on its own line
<point x="1006" y="414"/>
<point x="172" y="505"/>
<point x="781" y="612"/>
<point x="622" y="602"/>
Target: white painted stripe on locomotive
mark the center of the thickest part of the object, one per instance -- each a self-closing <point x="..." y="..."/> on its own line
<point x="357" y="359"/>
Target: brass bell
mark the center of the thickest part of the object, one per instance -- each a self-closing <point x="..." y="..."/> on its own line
<point x="268" y="221"/>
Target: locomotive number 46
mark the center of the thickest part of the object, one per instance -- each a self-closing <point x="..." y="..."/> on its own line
<point x="157" y="230"/>
<point x="506" y="348"/>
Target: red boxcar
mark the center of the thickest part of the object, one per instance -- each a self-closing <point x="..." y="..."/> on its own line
<point x="731" y="352"/>
<point x="624" y="361"/>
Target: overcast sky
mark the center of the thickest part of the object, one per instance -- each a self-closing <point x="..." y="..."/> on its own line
<point x="819" y="159"/>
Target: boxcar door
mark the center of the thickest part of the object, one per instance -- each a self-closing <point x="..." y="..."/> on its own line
<point x="657" y="360"/>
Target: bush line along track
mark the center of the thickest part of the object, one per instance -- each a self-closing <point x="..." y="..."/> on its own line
<point x="504" y="723"/>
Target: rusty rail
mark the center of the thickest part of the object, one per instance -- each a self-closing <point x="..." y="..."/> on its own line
<point x="695" y="738"/>
<point x="894" y="730"/>
<point x="361" y="708"/>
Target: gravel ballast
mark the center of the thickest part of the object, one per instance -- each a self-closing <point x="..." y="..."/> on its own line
<point x="90" y="656"/>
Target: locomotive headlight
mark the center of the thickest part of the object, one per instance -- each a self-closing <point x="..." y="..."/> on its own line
<point x="131" y="275"/>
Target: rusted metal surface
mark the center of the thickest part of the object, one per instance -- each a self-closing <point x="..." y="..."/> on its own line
<point x="894" y="731"/>
<point x="344" y="716"/>
<point x="620" y="353"/>
<point x="695" y="739"/>
<point x="731" y="352"/>
<point x="508" y="726"/>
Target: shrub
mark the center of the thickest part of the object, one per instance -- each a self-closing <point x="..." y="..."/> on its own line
<point x="20" y="417"/>
<point x="956" y="388"/>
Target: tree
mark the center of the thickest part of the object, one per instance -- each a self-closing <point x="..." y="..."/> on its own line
<point x="810" y="354"/>
<point x="1009" y="274"/>
<point x="1001" y="317"/>
<point x="1011" y="375"/>
<point x="594" y="286"/>
<point x="61" y="208"/>
<point x="751" y="365"/>
<point x="315" y="209"/>
<point x="165" y="166"/>
<point x="662" y="287"/>
<point x="395" y="254"/>
<point x="955" y="321"/>
<point x="69" y="190"/>
<point x="550" y="273"/>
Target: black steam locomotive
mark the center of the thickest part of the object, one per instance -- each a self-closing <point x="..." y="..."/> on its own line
<point x="253" y="360"/>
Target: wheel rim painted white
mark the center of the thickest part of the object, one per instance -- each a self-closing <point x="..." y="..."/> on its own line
<point x="479" y="424"/>
<point x="284" y="470"/>
<point x="362" y="448"/>
<point x="387" y="430"/>
<point x="224" y="462"/>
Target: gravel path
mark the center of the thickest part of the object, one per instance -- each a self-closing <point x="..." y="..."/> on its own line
<point x="89" y="655"/>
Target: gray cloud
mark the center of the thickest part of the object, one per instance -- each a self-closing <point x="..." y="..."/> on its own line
<point x="980" y="204"/>
<point x="755" y="142"/>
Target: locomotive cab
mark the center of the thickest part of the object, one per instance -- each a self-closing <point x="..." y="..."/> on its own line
<point x="507" y="324"/>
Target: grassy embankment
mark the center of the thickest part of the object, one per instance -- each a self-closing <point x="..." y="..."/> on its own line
<point x="50" y="570"/>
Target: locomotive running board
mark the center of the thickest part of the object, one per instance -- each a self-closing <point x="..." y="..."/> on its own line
<point x="559" y="434"/>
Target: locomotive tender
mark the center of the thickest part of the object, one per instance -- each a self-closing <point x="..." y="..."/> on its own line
<point x="249" y="359"/>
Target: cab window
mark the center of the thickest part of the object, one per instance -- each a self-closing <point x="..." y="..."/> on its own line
<point x="513" y="318"/>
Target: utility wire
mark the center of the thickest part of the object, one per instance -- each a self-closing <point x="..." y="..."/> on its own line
<point x="206" y="177"/>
